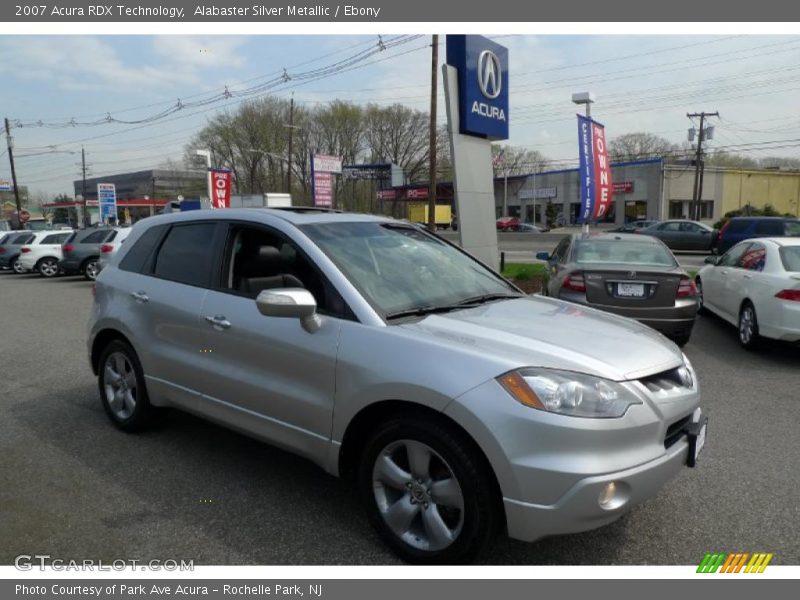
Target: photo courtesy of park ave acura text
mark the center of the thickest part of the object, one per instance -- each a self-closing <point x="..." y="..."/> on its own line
<point x="396" y="298"/>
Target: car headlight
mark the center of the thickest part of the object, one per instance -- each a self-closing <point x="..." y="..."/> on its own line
<point x="568" y="393"/>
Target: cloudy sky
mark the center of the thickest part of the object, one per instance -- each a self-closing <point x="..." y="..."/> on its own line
<point x="642" y="83"/>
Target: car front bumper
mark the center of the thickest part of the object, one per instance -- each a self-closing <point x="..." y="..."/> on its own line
<point x="27" y="261"/>
<point x="552" y="469"/>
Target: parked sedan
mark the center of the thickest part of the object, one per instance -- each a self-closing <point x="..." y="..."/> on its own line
<point x="684" y="235"/>
<point x="629" y="275"/>
<point x="10" y="250"/>
<point x="756" y="286"/>
<point x="43" y="252"/>
<point x="459" y="405"/>
<point x="635" y="226"/>
<point x="507" y="223"/>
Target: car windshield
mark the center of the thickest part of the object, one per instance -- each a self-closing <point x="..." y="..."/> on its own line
<point x="790" y="257"/>
<point x="400" y="268"/>
<point x="623" y="252"/>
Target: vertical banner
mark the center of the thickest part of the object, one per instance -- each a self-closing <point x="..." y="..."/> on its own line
<point x="323" y="168"/>
<point x="594" y="171"/>
<point x="107" y="200"/>
<point x="220" y="188"/>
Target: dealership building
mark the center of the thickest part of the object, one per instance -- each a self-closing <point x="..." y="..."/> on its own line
<point x="649" y="189"/>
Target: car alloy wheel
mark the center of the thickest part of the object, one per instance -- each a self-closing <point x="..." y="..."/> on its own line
<point x="122" y="388"/>
<point x="18" y="268"/>
<point x="90" y="271"/>
<point x="48" y="267"/>
<point x="418" y="495"/>
<point x="748" y="326"/>
<point x="428" y="490"/>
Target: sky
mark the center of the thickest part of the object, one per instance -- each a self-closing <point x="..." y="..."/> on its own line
<point x="641" y="83"/>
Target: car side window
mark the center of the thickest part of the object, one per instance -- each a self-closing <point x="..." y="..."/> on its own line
<point x="187" y="254"/>
<point x="56" y="238"/>
<point x="561" y="251"/>
<point x="690" y="227"/>
<point x="259" y="259"/>
<point x="670" y="227"/>
<point x="769" y="227"/>
<point x="138" y="257"/>
<point x="754" y="259"/>
<point x="732" y="256"/>
<point x="737" y="226"/>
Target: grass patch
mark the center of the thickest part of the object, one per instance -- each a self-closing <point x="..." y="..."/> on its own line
<point x="523" y="271"/>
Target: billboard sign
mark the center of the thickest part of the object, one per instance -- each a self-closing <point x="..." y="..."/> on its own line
<point x="220" y="188"/>
<point x="386" y="194"/>
<point x="326" y="163"/>
<point x="482" y="67"/>
<point x="594" y="171"/>
<point x="6" y="186"/>
<point x="548" y="192"/>
<point x="323" y="189"/>
<point x="107" y="199"/>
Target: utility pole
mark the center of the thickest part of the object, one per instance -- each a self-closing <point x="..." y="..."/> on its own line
<point x="86" y="220"/>
<point x="291" y="135"/>
<point x="699" y="166"/>
<point x="432" y="141"/>
<point x="10" y="141"/>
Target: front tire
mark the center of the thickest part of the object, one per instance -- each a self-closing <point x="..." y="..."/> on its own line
<point x="18" y="268"/>
<point x="427" y="492"/>
<point x="749" y="337"/>
<point x="122" y="387"/>
<point x="48" y="267"/>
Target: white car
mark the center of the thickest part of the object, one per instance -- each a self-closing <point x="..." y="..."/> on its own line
<point x="756" y="286"/>
<point x="109" y="249"/>
<point x="43" y="252"/>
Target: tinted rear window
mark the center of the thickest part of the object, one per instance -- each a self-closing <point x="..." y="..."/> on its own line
<point x="4" y="238"/>
<point x="56" y="238"/>
<point x="623" y="252"/>
<point x="137" y="257"/>
<point x="23" y="238"/>
<point x="96" y="237"/>
<point x="737" y="226"/>
<point x="769" y="227"/>
<point x="187" y="254"/>
<point x="790" y="257"/>
<point x="792" y="228"/>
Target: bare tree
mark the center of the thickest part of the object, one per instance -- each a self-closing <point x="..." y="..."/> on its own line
<point x="641" y="145"/>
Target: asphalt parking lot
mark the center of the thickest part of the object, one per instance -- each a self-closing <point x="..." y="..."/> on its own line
<point x="74" y="487"/>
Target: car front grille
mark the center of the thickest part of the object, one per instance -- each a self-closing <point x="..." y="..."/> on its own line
<point x="666" y="381"/>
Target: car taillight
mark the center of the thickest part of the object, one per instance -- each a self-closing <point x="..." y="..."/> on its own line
<point x="687" y="288"/>
<point x="67" y="248"/>
<point x="574" y="282"/>
<point x="2" y="249"/>
<point x="24" y="250"/>
<point x="106" y="248"/>
<point x="793" y="295"/>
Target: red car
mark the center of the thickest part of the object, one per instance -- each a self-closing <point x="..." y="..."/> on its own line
<point x="507" y="224"/>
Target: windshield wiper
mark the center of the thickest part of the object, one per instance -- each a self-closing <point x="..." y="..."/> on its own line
<point x="462" y="304"/>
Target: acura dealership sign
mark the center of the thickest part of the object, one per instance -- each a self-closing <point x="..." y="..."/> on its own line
<point x="482" y="67"/>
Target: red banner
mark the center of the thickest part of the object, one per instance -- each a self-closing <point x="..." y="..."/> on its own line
<point x="220" y="188"/>
<point x="623" y="187"/>
<point x="323" y="189"/>
<point x="602" y="172"/>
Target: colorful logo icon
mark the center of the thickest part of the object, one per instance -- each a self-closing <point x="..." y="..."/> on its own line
<point x="738" y="562"/>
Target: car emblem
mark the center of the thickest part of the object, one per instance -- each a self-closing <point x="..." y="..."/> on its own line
<point x="632" y="274"/>
<point x="490" y="75"/>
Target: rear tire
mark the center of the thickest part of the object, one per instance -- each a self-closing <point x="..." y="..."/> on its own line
<point x="428" y="492"/>
<point x="17" y="267"/>
<point x="47" y="267"/>
<point x="90" y="269"/>
<point x="122" y="387"/>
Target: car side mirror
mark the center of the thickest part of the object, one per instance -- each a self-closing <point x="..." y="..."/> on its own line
<point x="712" y="260"/>
<point x="543" y="255"/>
<point x="292" y="303"/>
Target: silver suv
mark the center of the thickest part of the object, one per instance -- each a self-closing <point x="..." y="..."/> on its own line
<point x="458" y="405"/>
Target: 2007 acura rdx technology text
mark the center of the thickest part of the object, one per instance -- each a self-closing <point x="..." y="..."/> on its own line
<point x="458" y="405"/>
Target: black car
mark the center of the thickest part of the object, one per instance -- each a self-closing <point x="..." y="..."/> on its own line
<point x="745" y="228"/>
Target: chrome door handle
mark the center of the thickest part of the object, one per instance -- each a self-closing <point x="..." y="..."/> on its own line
<point x="140" y="297"/>
<point x="746" y="276"/>
<point x="218" y="322"/>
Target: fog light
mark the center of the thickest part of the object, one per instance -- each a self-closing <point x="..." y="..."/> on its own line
<point x="614" y="495"/>
<point x="608" y="494"/>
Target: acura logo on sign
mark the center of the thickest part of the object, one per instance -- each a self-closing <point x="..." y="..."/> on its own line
<point x="490" y="75"/>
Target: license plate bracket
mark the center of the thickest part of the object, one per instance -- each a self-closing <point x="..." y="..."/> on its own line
<point x="697" y="439"/>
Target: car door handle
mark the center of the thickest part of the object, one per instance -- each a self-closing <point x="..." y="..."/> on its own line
<point x="218" y="322"/>
<point x="140" y="297"/>
<point x="747" y="276"/>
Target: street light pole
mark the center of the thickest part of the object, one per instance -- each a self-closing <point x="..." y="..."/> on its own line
<point x="207" y="155"/>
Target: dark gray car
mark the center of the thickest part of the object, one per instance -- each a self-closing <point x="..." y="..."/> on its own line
<point x="681" y="234"/>
<point x="82" y="251"/>
<point x="626" y="274"/>
<point x="10" y="250"/>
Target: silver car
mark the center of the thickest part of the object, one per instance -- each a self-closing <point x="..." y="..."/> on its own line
<point x="459" y="406"/>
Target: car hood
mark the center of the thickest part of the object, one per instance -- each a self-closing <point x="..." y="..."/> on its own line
<point x="544" y="332"/>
